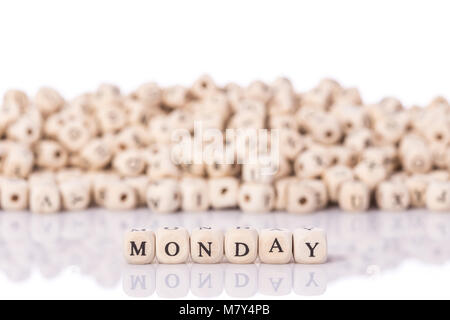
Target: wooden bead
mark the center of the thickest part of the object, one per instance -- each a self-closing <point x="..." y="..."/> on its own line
<point x="16" y="97"/>
<point x="417" y="186"/>
<point x="203" y="86"/>
<point x="241" y="245"/>
<point x="275" y="246"/>
<point x="129" y="163"/>
<point x="311" y="163"/>
<point x="281" y="192"/>
<point x="19" y="162"/>
<point x="310" y="245"/>
<point x="120" y="196"/>
<point x="75" y="194"/>
<point x="301" y="198"/>
<point x="207" y="245"/>
<point x="149" y="93"/>
<point x="223" y="192"/>
<point x="370" y="173"/>
<point x="392" y="196"/>
<point x="291" y="144"/>
<point x="326" y="129"/>
<point x="258" y="90"/>
<point x="283" y="122"/>
<point x="14" y="194"/>
<point x="348" y="96"/>
<point x="100" y="184"/>
<point x="24" y="131"/>
<point x="45" y="198"/>
<point x="50" y="155"/>
<point x="172" y="245"/>
<point x="437" y="196"/>
<point x="334" y="177"/>
<point x="139" y="246"/>
<point x="194" y="194"/>
<point x="317" y="97"/>
<point x="111" y="118"/>
<point x="320" y="190"/>
<point x="359" y="140"/>
<point x="132" y="137"/>
<point x="97" y="154"/>
<point x="160" y="130"/>
<point x="140" y="186"/>
<point x="74" y="136"/>
<point x="351" y="117"/>
<point x="164" y="196"/>
<point x="48" y="101"/>
<point x="340" y="155"/>
<point x="174" y="97"/>
<point x="159" y="163"/>
<point x="256" y="197"/>
<point x="354" y="196"/>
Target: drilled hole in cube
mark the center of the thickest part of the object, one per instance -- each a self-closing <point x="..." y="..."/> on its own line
<point x="122" y="146"/>
<point x="223" y="191"/>
<point x="204" y="85"/>
<point x="123" y="197"/>
<point x="14" y="198"/>
<point x="349" y="125"/>
<point x="302" y="201"/>
<point x="439" y="136"/>
<point x="57" y="154"/>
<point x="328" y="134"/>
<point x="247" y="198"/>
<point x="334" y="160"/>
<point x="29" y="131"/>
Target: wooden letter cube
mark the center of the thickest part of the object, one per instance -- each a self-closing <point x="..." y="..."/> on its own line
<point x="256" y="197"/>
<point x="310" y="245"/>
<point x="14" y="194"/>
<point x="172" y="245"/>
<point x="139" y="246"/>
<point x="164" y="196"/>
<point x="223" y="192"/>
<point x="275" y="246"/>
<point x="241" y="245"/>
<point x="45" y="198"/>
<point x="206" y="245"/>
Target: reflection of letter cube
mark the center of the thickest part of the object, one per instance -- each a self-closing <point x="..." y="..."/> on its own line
<point x="275" y="245"/>
<point x="241" y="245"/>
<point x="206" y="245"/>
<point x="139" y="246"/>
<point x="172" y="245"/>
<point x="310" y="245"/>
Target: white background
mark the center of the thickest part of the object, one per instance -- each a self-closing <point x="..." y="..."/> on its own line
<point x="385" y="48"/>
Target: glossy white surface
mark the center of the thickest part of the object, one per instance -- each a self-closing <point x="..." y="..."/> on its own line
<point x="78" y="255"/>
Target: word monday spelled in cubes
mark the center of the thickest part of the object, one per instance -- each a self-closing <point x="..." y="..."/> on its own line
<point x="171" y="245"/>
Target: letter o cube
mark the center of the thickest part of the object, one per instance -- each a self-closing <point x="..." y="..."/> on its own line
<point x="172" y="245"/>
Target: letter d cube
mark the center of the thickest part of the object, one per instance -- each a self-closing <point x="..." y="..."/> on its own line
<point x="139" y="246"/>
<point x="241" y="245"/>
